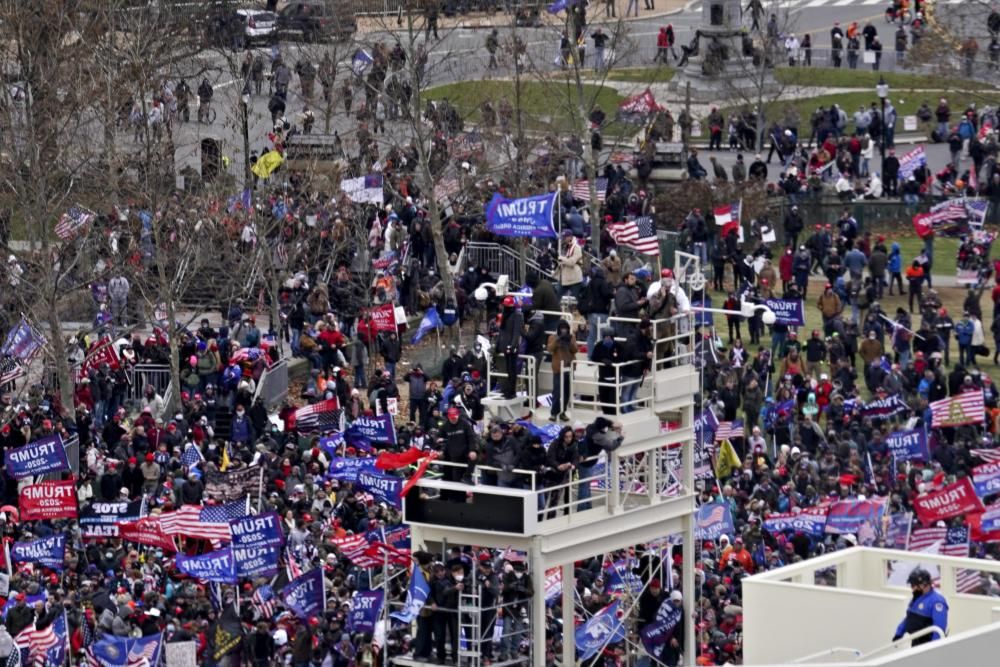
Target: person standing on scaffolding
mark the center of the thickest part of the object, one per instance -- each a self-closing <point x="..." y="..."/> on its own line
<point x="489" y="587"/>
<point x="517" y="591"/>
<point x="508" y="344"/>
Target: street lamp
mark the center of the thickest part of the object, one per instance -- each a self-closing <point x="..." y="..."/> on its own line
<point x="882" y="90"/>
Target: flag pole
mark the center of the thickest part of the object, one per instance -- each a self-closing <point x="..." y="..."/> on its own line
<point x="260" y="491"/>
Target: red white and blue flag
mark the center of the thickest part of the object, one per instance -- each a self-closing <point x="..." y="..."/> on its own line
<point x="638" y="234"/>
<point x="581" y="190"/>
<point x="729" y="430"/>
<point x="72" y="221"/>
<point x="967" y="408"/>
<point x="321" y="416"/>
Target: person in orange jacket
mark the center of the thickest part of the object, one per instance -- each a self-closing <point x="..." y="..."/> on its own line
<point x="739" y="552"/>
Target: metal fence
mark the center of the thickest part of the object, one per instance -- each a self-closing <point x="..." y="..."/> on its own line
<point x="273" y="384"/>
<point x="501" y="259"/>
<point x="141" y="375"/>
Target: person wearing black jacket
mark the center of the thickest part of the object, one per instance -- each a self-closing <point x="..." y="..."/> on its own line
<point x="628" y="303"/>
<point x="445" y="590"/>
<point x="607" y="353"/>
<point x="598" y="300"/>
<point x="508" y="344"/>
<point x="517" y="591"/>
<point x="392" y="350"/>
<point x="563" y="458"/>
<point x="890" y="176"/>
<point x="489" y="587"/>
<point x="458" y="445"/>
<point x="639" y="351"/>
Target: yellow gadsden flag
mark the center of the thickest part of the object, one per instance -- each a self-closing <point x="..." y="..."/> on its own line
<point x="267" y="163"/>
<point x="225" y="459"/>
<point x="728" y="461"/>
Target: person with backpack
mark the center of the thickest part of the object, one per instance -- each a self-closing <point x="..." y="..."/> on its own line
<point x="601" y="436"/>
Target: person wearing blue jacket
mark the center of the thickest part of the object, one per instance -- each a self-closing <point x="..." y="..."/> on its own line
<point x="895" y="268"/>
<point x="927" y="608"/>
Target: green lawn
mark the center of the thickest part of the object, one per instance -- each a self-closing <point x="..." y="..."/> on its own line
<point x="546" y="105"/>
<point x="849" y="102"/>
<point x="866" y="78"/>
<point x="661" y="74"/>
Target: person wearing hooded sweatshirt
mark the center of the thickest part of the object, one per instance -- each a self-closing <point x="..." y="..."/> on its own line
<point x="562" y="347"/>
<point x="598" y="299"/>
<point x="895" y="268"/>
<point x="607" y="353"/>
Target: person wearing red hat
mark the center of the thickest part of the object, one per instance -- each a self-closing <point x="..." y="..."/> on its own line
<point x="508" y="343"/>
<point x="459" y="446"/>
<point x="150" y="474"/>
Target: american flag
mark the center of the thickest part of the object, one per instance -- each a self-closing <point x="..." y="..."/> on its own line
<point x="956" y="544"/>
<point x="10" y="370"/>
<point x="292" y="567"/>
<point x="215" y="595"/>
<point x="988" y="455"/>
<point x="355" y="548"/>
<point x="967" y="408"/>
<point x="446" y="187"/>
<point x="192" y="456"/>
<point x="87" y="630"/>
<point x="638" y="234"/>
<point x="208" y="522"/>
<point x="729" y="430"/>
<point x="581" y="190"/>
<point x="922" y="539"/>
<point x="72" y="221"/>
<point x="319" y="416"/>
<point x="264" y="601"/>
<point x="37" y="642"/>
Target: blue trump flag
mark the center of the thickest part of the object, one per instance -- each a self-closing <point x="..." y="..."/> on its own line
<point x="39" y="457"/>
<point x="384" y="487"/>
<point x="372" y="429"/>
<point x="257" y="530"/>
<point x="986" y="479"/>
<point x="48" y="552"/>
<point x="603" y="628"/>
<point x="909" y="445"/>
<point x="657" y="633"/>
<point x="713" y="520"/>
<point x="125" y="651"/>
<point x="547" y="433"/>
<point x="620" y="577"/>
<point x="347" y="470"/>
<point x="529" y="216"/>
<point x="416" y="597"/>
<point x="430" y="322"/>
<point x="397" y="538"/>
<point x="217" y="566"/>
<point x="790" y="312"/>
<point x="305" y="595"/>
<point x="330" y="443"/>
<point x="365" y="608"/>
<point x="560" y="5"/>
<point x="847" y="516"/>
<point x="259" y="561"/>
<point x="23" y="342"/>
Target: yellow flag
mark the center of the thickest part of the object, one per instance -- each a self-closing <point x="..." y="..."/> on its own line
<point x="728" y="461"/>
<point x="267" y="163"/>
<point x="225" y="459"/>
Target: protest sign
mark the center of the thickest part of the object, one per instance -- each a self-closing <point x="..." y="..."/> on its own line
<point x="384" y="317"/>
<point x="181" y="654"/>
<point x="39" y="457"/>
<point x="48" y="500"/>
<point x="790" y="312"/>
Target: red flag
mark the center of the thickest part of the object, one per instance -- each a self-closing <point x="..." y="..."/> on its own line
<point x="392" y="461"/>
<point x="952" y="500"/>
<point x="421" y="469"/>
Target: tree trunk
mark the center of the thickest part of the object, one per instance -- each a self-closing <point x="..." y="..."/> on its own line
<point x="63" y="371"/>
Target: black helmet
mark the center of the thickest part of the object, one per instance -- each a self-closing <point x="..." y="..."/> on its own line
<point x="919" y="576"/>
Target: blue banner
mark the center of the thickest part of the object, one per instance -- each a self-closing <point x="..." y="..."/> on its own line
<point x="22" y="342"/>
<point x="48" y="552"/>
<point x="29" y="601"/>
<point x="986" y="479"/>
<point x="705" y="425"/>
<point x="898" y="530"/>
<point x="909" y="445"/>
<point x="416" y="597"/>
<point x="430" y="322"/>
<point x="305" y="596"/>
<point x="702" y="318"/>
<point x="124" y="651"/>
<point x="365" y="608"/>
<point x="384" y="487"/>
<point x="257" y="531"/>
<point x="620" y="577"/>
<point x="811" y="522"/>
<point x="40" y="457"/>
<point x="347" y="470"/>
<point x="530" y="216"/>
<point x="259" y="561"/>
<point x="603" y="628"/>
<point x="656" y="634"/>
<point x="883" y="408"/>
<point x="547" y="433"/>
<point x="216" y="566"/>
<point x="372" y="429"/>
<point x="713" y="520"/>
<point x="847" y="516"/>
<point x="397" y="537"/>
<point x="330" y="443"/>
<point x="990" y="519"/>
<point x="789" y="312"/>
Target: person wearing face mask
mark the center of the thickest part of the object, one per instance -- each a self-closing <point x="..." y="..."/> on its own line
<point x="927" y="608"/>
<point x="508" y="343"/>
<point x="517" y="591"/>
<point x="445" y="590"/>
<point x="242" y="429"/>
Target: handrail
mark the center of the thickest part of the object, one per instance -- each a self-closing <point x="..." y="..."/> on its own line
<point x="905" y="638"/>
<point x="827" y="652"/>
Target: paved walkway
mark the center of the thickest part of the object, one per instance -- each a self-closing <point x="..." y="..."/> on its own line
<point x="478" y="20"/>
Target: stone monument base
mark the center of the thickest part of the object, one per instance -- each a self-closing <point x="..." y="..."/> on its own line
<point x="738" y="82"/>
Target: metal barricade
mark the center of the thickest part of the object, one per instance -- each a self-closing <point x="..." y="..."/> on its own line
<point x="140" y="375"/>
<point x="527" y="375"/>
<point x="273" y="384"/>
